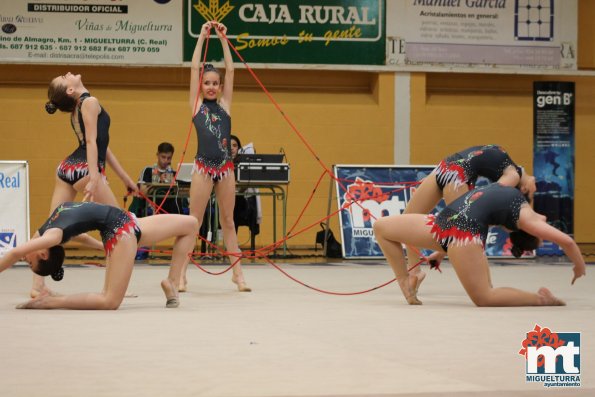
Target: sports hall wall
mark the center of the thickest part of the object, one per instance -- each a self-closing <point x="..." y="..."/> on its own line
<point x="455" y="111"/>
<point x="345" y="117"/>
<point x="450" y="111"/>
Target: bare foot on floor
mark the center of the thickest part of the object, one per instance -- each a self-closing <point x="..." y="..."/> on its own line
<point x="183" y="285"/>
<point x="242" y="286"/>
<point x="548" y="299"/>
<point x="171" y="295"/>
<point x="408" y="289"/>
<point x="416" y="279"/>
<point x="35" y="303"/>
<point x="44" y="291"/>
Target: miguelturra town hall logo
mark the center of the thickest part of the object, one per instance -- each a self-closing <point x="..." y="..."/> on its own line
<point x="553" y="358"/>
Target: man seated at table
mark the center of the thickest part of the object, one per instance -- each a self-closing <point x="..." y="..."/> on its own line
<point x="159" y="173"/>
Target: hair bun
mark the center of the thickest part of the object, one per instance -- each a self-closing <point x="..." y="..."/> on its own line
<point x="50" y="107"/>
<point x="209" y="66"/>
<point x="58" y="274"/>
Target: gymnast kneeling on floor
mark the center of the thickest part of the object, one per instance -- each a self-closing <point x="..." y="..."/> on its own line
<point x="121" y="233"/>
<point x="461" y="229"/>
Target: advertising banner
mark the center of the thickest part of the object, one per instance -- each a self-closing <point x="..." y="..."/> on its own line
<point x="383" y="190"/>
<point x="524" y="33"/>
<point x="336" y="32"/>
<point x="553" y="156"/>
<point x="144" y="32"/>
<point x="14" y="204"/>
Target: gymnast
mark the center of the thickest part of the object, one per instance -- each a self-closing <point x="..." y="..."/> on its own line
<point x="83" y="171"/>
<point x="213" y="165"/>
<point x="121" y="233"/>
<point x="461" y="229"/>
<point x="456" y="175"/>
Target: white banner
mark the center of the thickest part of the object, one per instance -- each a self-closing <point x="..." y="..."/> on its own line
<point x="14" y="204"/>
<point x="146" y="32"/>
<point x="524" y="33"/>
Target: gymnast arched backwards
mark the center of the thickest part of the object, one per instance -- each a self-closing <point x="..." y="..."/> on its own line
<point x="121" y="233"/>
<point x="461" y="229"/>
<point x="457" y="174"/>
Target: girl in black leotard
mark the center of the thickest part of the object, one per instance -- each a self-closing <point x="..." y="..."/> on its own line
<point x="213" y="166"/>
<point x="464" y="167"/>
<point x="121" y="232"/>
<point x="457" y="174"/>
<point x="461" y="228"/>
<point x="468" y="218"/>
<point x="81" y="171"/>
<point x="75" y="166"/>
<point x="77" y="218"/>
<point x="84" y="169"/>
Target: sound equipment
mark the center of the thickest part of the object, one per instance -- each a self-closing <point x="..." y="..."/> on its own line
<point x="262" y="173"/>
<point x="258" y="158"/>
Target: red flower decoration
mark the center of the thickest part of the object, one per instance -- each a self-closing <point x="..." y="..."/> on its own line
<point x="361" y="191"/>
<point x="541" y="337"/>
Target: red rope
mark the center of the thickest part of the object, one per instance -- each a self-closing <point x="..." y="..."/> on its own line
<point x="263" y="252"/>
<point x="294" y="279"/>
<point x="158" y="209"/>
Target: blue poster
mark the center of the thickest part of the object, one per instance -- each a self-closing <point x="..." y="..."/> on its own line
<point x="553" y="156"/>
<point x="369" y="192"/>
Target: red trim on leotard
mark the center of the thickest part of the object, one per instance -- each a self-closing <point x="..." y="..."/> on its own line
<point x="220" y="172"/>
<point x="450" y="172"/>
<point x="452" y="235"/>
<point x="128" y="228"/>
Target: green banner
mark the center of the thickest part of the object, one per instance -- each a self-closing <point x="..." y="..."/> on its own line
<point x="324" y="32"/>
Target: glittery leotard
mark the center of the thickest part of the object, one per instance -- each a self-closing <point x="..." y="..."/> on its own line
<point x="466" y="166"/>
<point x="468" y="218"/>
<point x="74" y="167"/>
<point x="213" y="130"/>
<point x="77" y="218"/>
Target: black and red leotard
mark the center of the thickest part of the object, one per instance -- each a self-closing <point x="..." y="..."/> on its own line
<point x="213" y="130"/>
<point x="74" y="167"/>
<point x="467" y="219"/>
<point x="466" y="166"/>
<point x="77" y="218"/>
